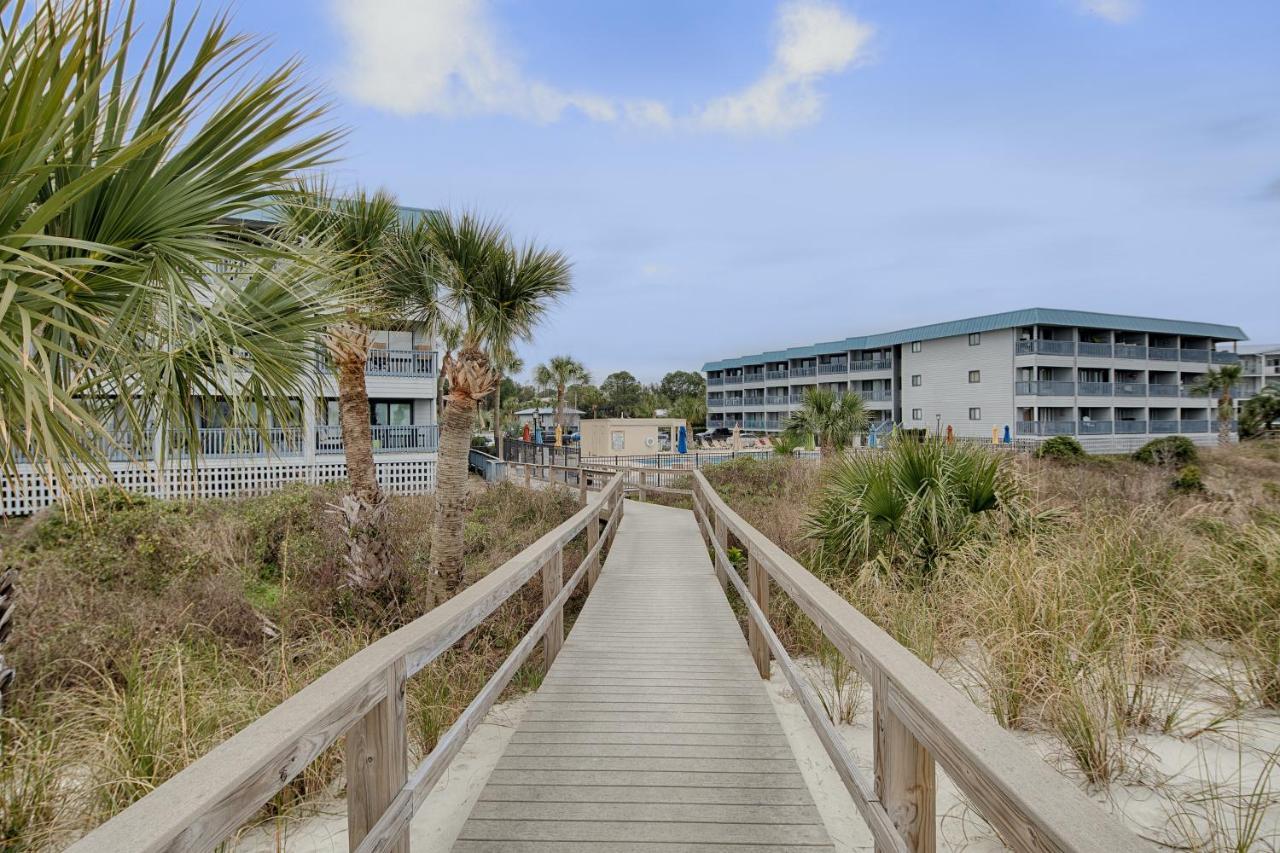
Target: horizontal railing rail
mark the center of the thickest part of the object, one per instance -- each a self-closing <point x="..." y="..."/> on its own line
<point x="393" y="362"/>
<point x="920" y="720"/>
<point x="1089" y="348"/>
<point x="363" y="698"/>
<point x="386" y="439"/>
<point x="871" y="364"/>
<point x="487" y="466"/>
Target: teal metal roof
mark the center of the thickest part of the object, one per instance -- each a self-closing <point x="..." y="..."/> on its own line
<point x="989" y="323"/>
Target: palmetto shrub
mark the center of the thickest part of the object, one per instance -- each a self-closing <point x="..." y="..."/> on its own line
<point x="904" y="510"/>
<point x="1169" y="450"/>
<point x="1065" y="447"/>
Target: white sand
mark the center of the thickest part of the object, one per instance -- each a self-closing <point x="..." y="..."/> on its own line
<point x="439" y="819"/>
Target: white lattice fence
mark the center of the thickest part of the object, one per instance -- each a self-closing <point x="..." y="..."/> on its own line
<point x="218" y="480"/>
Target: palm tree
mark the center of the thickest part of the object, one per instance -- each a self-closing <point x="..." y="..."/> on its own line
<point x="356" y="234"/>
<point x="128" y="281"/>
<point x="559" y="373"/>
<point x="506" y="363"/>
<point x="493" y="294"/>
<point x="833" y="420"/>
<point x="1219" y="382"/>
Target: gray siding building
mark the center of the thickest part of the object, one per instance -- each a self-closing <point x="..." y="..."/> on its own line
<point x="1113" y="381"/>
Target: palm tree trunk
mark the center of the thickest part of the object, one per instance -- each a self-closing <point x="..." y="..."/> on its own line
<point x="357" y="441"/>
<point x="560" y="406"/>
<point x="497" y="417"/>
<point x="1224" y="419"/>
<point x="451" y="486"/>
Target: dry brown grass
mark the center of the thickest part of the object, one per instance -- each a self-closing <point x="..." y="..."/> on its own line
<point x="151" y="631"/>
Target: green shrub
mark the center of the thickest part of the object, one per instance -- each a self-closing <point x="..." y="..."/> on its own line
<point x="1064" y="447"/>
<point x="1169" y="450"/>
<point x="1188" y="479"/>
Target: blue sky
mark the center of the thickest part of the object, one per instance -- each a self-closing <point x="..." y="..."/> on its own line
<point x="736" y="176"/>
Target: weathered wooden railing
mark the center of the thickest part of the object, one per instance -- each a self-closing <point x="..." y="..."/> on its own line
<point x="918" y="718"/>
<point x="364" y="699"/>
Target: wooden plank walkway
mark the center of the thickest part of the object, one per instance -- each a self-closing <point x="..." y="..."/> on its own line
<point x="652" y="730"/>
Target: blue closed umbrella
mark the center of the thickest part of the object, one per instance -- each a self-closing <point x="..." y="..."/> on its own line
<point x="682" y="441"/>
<point x="537" y="435"/>
<point x="1008" y="439"/>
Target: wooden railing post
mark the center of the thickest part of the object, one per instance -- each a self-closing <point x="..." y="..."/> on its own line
<point x="722" y="536"/>
<point x="582" y="486"/>
<point x="593" y="536"/>
<point x="528" y="475"/>
<point x="552" y="581"/>
<point x="758" y="585"/>
<point x="905" y="779"/>
<point x="377" y="762"/>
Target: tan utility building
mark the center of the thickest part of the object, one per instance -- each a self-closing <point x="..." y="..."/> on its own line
<point x="631" y="436"/>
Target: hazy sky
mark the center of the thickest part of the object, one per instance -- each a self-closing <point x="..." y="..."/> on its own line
<point x="736" y="176"/>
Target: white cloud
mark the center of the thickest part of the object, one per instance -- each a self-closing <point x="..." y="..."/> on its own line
<point x="446" y="57"/>
<point x="814" y="39"/>
<point x="1115" y="11"/>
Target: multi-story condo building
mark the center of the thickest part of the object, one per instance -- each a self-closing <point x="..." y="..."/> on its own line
<point x="1260" y="365"/>
<point x="1112" y="381"/>
<point x="400" y="377"/>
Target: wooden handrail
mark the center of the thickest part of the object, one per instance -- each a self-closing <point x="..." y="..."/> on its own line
<point x="362" y="697"/>
<point x="919" y="718"/>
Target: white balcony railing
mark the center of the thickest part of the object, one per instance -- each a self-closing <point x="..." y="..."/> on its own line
<point x="386" y="439"/>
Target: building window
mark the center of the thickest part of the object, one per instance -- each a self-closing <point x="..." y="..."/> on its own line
<point x="975" y="414"/>
<point x="975" y="376"/>
<point x="975" y="338"/>
<point x="915" y="346"/>
<point x="916" y="380"/>
<point x="917" y="414"/>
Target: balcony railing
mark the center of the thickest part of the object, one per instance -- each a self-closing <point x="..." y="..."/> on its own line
<point x="1225" y="357"/>
<point x="753" y="400"/>
<point x="1046" y="388"/>
<point x="1162" y="390"/>
<point x="1164" y="426"/>
<point x="239" y="441"/>
<point x="833" y="367"/>
<point x="871" y="364"/>
<point x="1162" y="353"/>
<point x="1131" y="427"/>
<point x="776" y="374"/>
<point x="796" y="399"/>
<point x="386" y="439"/>
<point x="1131" y="351"/>
<point x="776" y="399"/>
<point x="1131" y="389"/>
<point x="1045" y="427"/>
<point x="753" y="377"/>
<point x="876" y="396"/>
<point x="1193" y="426"/>
<point x="396" y="362"/>
<point x="1095" y="389"/>
<point x="733" y="380"/>
<point x="753" y="423"/>
<point x="1095" y="428"/>
<point x="1096" y="350"/>
<point x="1196" y="355"/>
<point x="800" y="372"/>
<point x="715" y="380"/>
<point x="1045" y="347"/>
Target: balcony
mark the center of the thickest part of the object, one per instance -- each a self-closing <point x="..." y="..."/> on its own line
<point x="241" y="441"/>
<point x="1164" y="426"/>
<point x="1046" y="388"/>
<point x="1095" y="428"/>
<point x="1095" y="350"/>
<point x="1162" y="390"/>
<point x="1095" y="389"/>
<point x="776" y="399"/>
<point x="1200" y="356"/>
<point x="396" y="362"/>
<point x="715" y="380"/>
<point x="1045" y="347"/>
<point x="776" y="374"/>
<point x="833" y="367"/>
<point x="872" y="364"/>
<point x="1131" y="389"/>
<point x="1131" y="427"/>
<point x="386" y="439"/>
<point x="1162" y="353"/>
<point x="1131" y="351"/>
<point x="1045" y="427"/>
<point x="715" y="404"/>
<point x="796" y="399"/>
<point x="1225" y="358"/>
<point x="1193" y="426"/>
<point x="733" y="380"/>
<point x="753" y="377"/>
<point x="753" y="423"/>
<point x="753" y="400"/>
<point x="800" y="372"/>
<point x="876" y="396"/>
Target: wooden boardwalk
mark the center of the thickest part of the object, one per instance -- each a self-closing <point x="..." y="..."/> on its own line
<point x="652" y="729"/>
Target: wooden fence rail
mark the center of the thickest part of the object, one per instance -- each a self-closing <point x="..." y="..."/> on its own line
<point x="919" y="719"/>
<point x="364" y="699"/>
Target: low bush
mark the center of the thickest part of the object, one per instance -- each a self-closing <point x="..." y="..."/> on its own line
<point x="1064" y="447"/>
<point x="1169" y="450"/>
<point x="1188" y="480"/>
